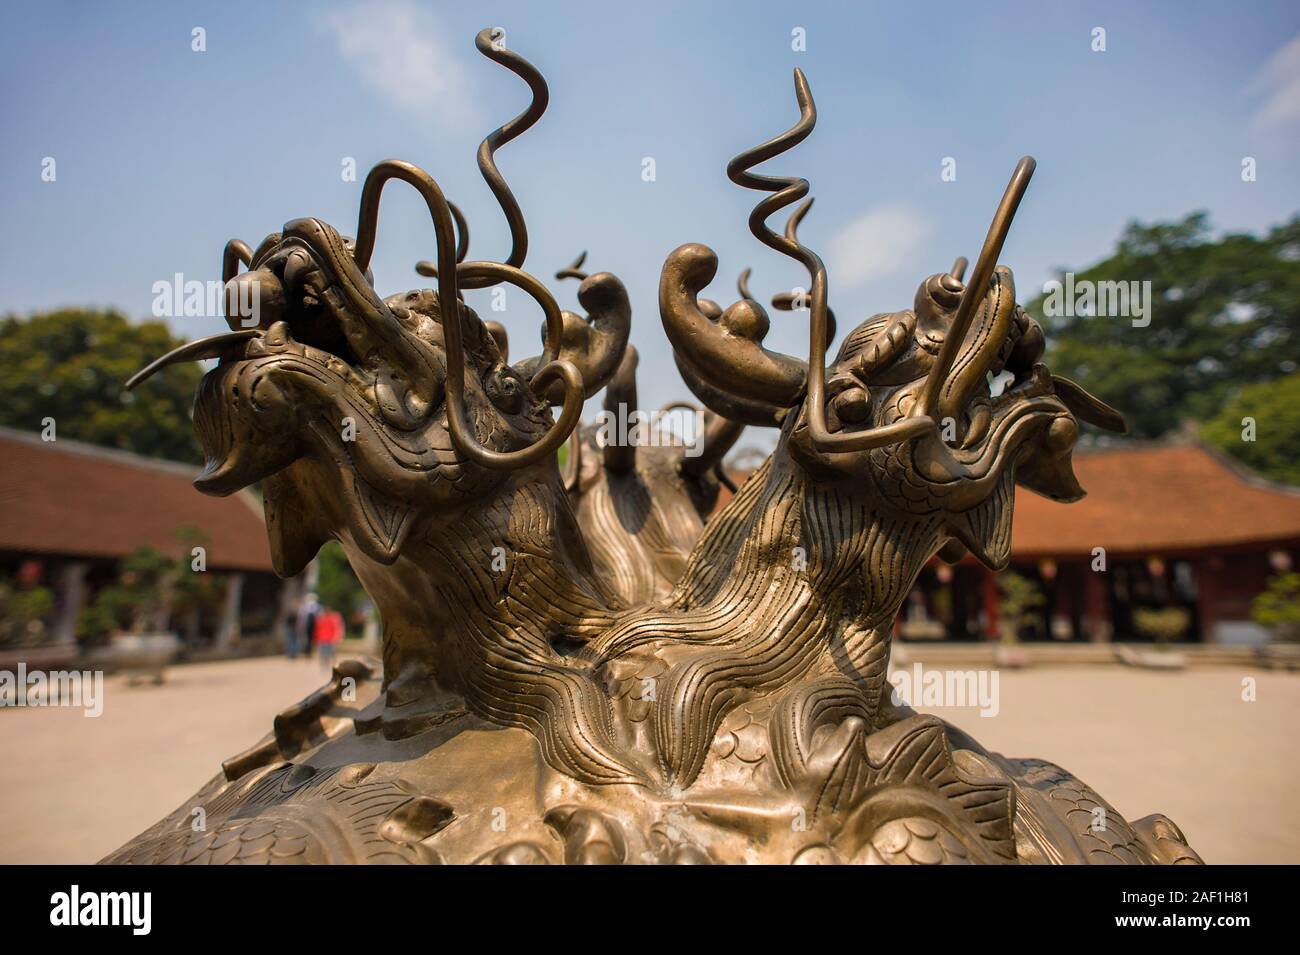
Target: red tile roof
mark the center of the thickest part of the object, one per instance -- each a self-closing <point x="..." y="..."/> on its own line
<point x="76" y="499"/>
<point x="65" y="497"/>
<point x="1157" y="500"/>
<point x="1152" y="500"/>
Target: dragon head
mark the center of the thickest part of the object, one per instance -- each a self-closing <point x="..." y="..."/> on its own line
<point x="360" y="413"/>
<point x="398" y="409"/>
<point x="906" y="411"/>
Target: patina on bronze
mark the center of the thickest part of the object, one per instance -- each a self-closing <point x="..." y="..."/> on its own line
<point x="640" y="508"/>
<point x="641" y="494"/>
<point x="641" y="491"/>
<point x="526" y="715"/>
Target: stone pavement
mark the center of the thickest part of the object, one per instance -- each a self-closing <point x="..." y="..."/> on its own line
<point x="1181" y="743"/>
<point x="73" y="789"/>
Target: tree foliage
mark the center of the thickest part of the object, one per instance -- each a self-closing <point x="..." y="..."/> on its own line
<point x="1019" y="604"/>
<point x="131" y="603"/>
<point x="1224" y="313"/>
<point x="71" y="365"/>
<point x="151" y="589"/>
<point x="1162" y="624"/>
<point x="1260" y="427"/>
<point x="338" y="587"/>
<point x="23" y="610"/>
<point x="1278" y="607"/>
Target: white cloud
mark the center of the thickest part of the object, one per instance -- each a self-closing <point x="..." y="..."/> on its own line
<point x="1279" y="81"/>
<point x="401" y="52"/>
<point x="880" y="242"/>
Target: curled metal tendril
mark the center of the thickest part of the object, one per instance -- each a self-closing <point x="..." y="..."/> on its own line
<point x="429" y="269"/>
<point x="462" y="232"/>
<point x="742" y="285"/>
<point x="488" y="44"/>
<point x="980" y="277"/>
<point x="796" y="217"/>
<point x="787" y="301"/>
<point x="482" y="274"/>
<point x="782" y="300"/>
<point x="786" y="190"/>
<point x="574" y="269"/>
<point x="236" y="251"/>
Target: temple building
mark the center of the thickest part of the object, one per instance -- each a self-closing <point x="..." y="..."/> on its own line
<point x="71" y="512"/>
<point x="1167" y="525"/>
<point x="1170" y="525"/>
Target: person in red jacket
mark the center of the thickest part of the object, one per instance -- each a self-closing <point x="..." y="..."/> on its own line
<point x="328" y="633"/>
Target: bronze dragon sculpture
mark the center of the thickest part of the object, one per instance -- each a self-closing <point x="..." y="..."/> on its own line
<point x="526" y="713"/>
<point x="641" y="504"/>
<point x="642" y="491"/>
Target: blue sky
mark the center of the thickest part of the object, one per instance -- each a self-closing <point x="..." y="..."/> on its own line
<point x="163" y="153"/>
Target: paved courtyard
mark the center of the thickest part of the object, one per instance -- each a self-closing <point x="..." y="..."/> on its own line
<point x="72" y="789"/>
<point x="1181" y="743"/>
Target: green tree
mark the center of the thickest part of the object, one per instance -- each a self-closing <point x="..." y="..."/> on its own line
<point x="153" y="589"/>
<point x="1278" y="607"/>
<point x="132" y="602"/>
<point x="1224" y="312"/>
<point x="22" y="612"/>
<point x="1019" y="604"/>
<point x="71" y="365"/>
<point x="1163" y="625"/>
<point x="193" y="592"/>
<point x="1269" y="442"/>
<point x="338" y="587"/>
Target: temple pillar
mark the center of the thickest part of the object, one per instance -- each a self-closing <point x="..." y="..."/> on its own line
<point x="228" y="628"/>
<point x="291" y="591"/>
<point x="1096" y="607"/>
<point x="1207" y="571"/>
<point x="991" y="597"/>
<point x="70" y="594"/>
<point x="371" y="634"/>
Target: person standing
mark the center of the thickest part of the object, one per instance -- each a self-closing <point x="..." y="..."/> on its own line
<point x="329" y="634"/>
<point x="304" y="625"/>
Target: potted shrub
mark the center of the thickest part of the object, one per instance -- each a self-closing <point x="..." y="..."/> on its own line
<point x="131" y="615"/>
<point x="1278" y="609"/>
<point x="1018" y="607"/>
<point x="23" y="611"/>
<point x="1162" y="626"/>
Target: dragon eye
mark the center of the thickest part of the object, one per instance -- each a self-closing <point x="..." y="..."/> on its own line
<point x="505" y="389"/>
<point x="852" y="406"/>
